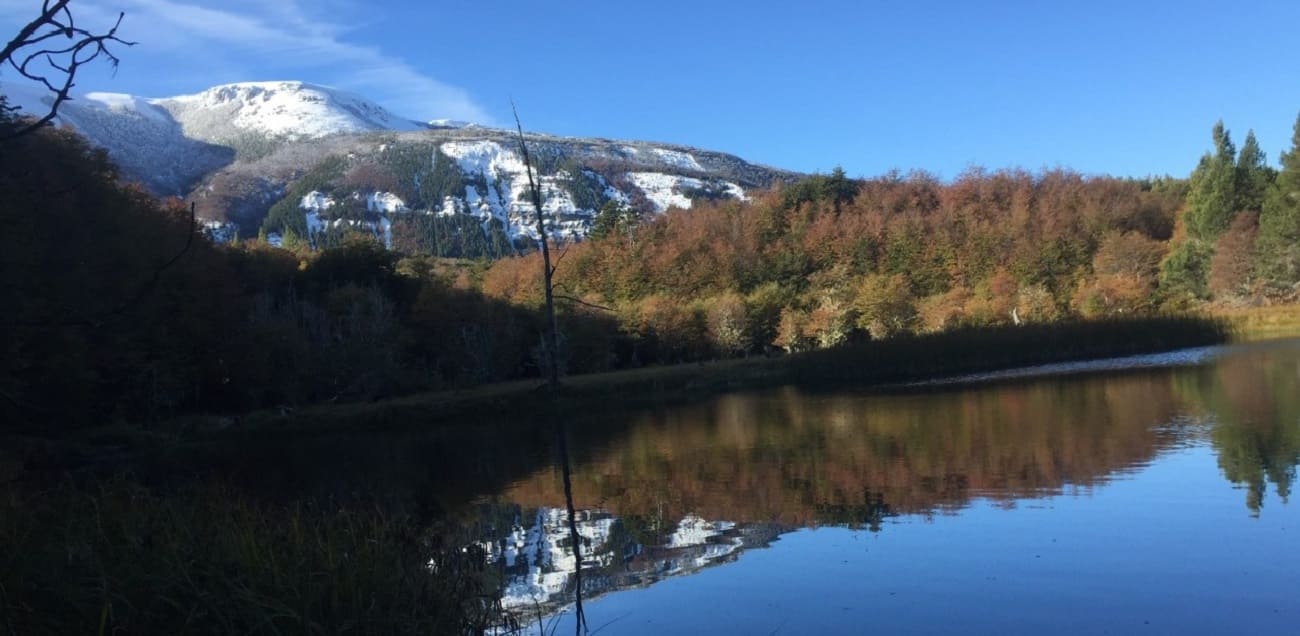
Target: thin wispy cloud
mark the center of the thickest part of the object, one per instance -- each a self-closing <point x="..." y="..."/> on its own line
<point x="275" y="40"/>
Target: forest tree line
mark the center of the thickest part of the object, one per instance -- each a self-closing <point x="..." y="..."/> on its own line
<point x="118" y="310"/>
<point x="829" y="259"/>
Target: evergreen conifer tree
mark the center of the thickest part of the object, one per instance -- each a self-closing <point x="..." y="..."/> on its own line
<point x="291" y="241"/>
<point x="1279" y="222"/>
<point x="612" y="218"/>
<point x="1253" y="176"/>
<point x="1212" y="196"/>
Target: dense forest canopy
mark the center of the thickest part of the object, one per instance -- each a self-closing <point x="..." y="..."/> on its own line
<point x="119" y="309"/>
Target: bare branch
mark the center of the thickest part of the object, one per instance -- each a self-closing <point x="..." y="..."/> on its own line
<point x="583" y="302"/>
<point x="560" y="259"/>
<point x="55" y="67"/>
<point x="574" y="299"/>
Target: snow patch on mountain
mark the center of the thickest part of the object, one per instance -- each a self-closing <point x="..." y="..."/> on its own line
<point x="316" y="201"/>
<point x="677" y="159"/>
<point x="131" y="105"/>
<point x="450" y="123"/>
<point x="291" y="110"/>
<point x="666" y="191"/>
<point x="316" y="205"/>
<point x="386" y="202"/>
<point x="663" y="190"/>
<point x="484" y="157"/>
<point x="506" y="197"/>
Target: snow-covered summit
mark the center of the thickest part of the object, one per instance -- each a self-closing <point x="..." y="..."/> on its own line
<point x="451" y="123"/>
<point x="240" y="148"/>
<point x="141" y="137"/>
<point x="288" y="109"/>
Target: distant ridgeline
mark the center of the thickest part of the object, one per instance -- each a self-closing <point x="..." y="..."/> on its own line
<point x="304" y="164"/>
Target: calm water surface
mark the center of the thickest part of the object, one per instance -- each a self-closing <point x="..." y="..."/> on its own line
<point x="1149" y="500"/>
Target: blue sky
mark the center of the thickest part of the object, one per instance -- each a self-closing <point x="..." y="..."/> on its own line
<point x="1126" y="88"/>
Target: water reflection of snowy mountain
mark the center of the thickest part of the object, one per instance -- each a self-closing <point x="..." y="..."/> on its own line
<point x="538" y="562"/>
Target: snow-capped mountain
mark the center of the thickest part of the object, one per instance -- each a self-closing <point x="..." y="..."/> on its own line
<point x="341" y="161"/>
<point x="141" y="137"/>
<point x="169" y="143"/>
<point x="290" y="110"/>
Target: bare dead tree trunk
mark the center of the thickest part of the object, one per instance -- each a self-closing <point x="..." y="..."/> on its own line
<point x="580" y="617"/>
<point x="551" y="343"/>
<point x="551" y="338"/>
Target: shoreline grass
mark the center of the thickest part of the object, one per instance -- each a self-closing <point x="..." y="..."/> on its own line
<point x="116" y="557"/>
<point x="865" y="365"/>
<point x="869" y="365"/>
<point x="1261" y="323"/>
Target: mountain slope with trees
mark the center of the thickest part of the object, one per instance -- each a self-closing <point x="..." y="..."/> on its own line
<point x="123" y="311"/>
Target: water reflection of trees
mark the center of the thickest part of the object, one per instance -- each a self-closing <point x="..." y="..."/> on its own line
<point x="797" y="459"/>
<point x="1255" y="402"/>
<point x="794" y="458"/>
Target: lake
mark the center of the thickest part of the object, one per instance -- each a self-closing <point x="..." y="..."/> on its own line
<point x="1119" y="498"/>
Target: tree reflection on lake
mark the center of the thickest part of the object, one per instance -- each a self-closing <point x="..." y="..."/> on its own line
<point x="674" y="491"/>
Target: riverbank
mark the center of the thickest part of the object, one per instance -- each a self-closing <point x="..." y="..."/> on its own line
<point x="1262" y="323"/>
<point x="257" y="558"/>
<point x="871" y="364"/>
<point x="884" y="362"/>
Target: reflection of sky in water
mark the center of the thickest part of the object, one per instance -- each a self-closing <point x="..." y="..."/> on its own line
<point x="1167" y="550"/>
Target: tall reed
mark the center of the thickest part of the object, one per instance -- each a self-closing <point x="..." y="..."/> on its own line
<point x="119" y="558"/>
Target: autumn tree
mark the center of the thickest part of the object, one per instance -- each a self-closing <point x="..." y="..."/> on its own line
<point x="1234" y="258"/>
<point x="1130" y="255"/>
<point x="885" y="305"/>
<point x="728" y="323"/>
<point x="792" y="331"/>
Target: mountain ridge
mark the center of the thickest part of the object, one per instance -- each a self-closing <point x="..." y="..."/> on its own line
<point x="237" y="150"/>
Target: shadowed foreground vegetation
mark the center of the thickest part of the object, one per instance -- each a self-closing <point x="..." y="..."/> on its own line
<point x="970" y="350"/>
<point x="869" y="364"/>
<point x="117" y="557"/>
